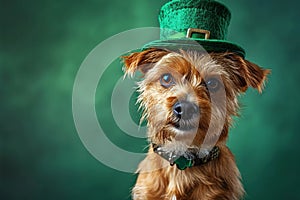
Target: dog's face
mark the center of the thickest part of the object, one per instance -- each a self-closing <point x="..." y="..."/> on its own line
<point x="190" y="97"/>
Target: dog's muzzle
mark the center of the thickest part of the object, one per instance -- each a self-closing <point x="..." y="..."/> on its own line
<point x="186" y="114"/>
<point x="185" y="110"/>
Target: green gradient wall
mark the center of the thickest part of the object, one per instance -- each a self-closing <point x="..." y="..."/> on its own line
<point x="42" y="46"/>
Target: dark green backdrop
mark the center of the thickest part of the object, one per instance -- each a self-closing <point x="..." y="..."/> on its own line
<point x="43" y="44"/>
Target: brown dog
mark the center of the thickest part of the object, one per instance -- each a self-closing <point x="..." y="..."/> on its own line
<point x="189" y="99"/>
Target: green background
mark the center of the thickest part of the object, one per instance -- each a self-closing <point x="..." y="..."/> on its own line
<point x="43" y="44"/>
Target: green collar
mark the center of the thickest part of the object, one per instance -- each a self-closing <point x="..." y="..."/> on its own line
<point x="191" y="158"/>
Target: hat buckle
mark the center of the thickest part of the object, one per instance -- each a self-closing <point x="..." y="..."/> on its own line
<point x="191" y="31"/>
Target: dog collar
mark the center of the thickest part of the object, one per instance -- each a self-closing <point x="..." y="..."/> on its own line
<point x="191" y="159"/>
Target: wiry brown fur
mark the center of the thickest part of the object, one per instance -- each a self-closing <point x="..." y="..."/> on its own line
<point x="220" y="178"/>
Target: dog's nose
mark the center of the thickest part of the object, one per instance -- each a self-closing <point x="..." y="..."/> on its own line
<point x="185" y="110"/>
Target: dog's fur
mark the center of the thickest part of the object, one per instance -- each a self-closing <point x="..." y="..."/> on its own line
<point x="219" y="178"/>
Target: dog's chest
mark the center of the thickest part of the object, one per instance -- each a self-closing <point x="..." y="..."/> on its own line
<point x="179" y="185"/>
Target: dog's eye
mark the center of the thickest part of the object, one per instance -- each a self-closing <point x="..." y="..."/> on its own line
<point x="213" y="84"/>
<point x="166" y="80"/>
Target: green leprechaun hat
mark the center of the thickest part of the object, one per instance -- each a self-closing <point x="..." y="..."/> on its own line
<point x="195" y="24"/>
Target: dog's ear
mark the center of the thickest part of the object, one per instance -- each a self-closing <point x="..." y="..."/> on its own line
<point x="255" y="76"/>
<point x="142" y="61"/>
<point x="245" y="73"/>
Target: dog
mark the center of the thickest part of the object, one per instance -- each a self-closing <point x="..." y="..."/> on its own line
<point x="188" y="99"/>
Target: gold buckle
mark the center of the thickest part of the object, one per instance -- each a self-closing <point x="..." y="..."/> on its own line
<point x="190" y="32"/>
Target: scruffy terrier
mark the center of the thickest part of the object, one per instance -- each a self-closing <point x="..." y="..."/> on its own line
<point x="189" y="99"/>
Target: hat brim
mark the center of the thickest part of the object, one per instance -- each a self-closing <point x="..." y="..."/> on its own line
<point x="218" y="46"/>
